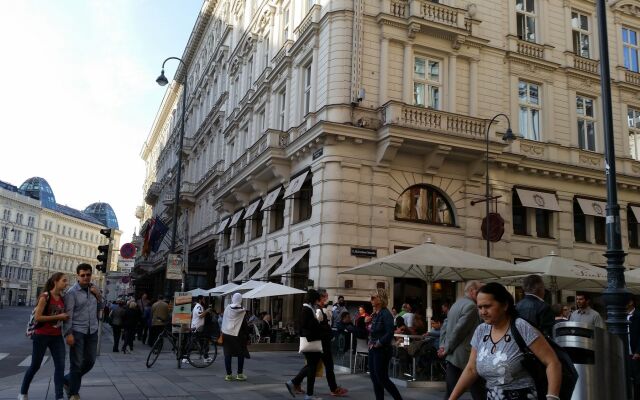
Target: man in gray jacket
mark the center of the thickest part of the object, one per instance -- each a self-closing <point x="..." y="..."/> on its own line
<point x="462" y="321"/>
<point x="81" y="302"/>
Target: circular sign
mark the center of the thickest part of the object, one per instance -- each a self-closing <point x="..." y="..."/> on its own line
<point x="496" y="227"/>
<point x="125" y="279"/>
<point x="128" y="250"/>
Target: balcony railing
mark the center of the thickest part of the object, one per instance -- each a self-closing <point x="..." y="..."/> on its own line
<point x="394" y="113"/>
<point x="530" y="49"/>
<point x="152" y="194"/>
<point x="632" y="77"/>
<point x="585" y="64"/>
<point x="399" y="8"/>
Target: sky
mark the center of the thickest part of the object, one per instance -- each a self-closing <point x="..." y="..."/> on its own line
<point x="80" y="94"/>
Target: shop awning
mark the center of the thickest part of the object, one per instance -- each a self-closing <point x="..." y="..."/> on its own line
<point x="251" y="210"/>
<point x="535" y="199"/>
<point x="236" y="217"/>
<point x="295" y="185"/>
<point x="291" y="262"/>
<point x="222" y="226"/>
<point x="244" y="274"/>
<point x="593" y="207"/>
<point x="271" y="199"/>
<point x="636" y="212"/>
<point x="264" y="270"/>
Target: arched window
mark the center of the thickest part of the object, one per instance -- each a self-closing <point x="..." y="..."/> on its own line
<point x="424" y="203"/>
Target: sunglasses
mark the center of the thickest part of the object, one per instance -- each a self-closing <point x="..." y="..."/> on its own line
<point x="84" y="275"/>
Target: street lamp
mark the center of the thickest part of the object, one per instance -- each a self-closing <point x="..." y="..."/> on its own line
<point x="507" y="137"/>
<point x="163" y="81"/>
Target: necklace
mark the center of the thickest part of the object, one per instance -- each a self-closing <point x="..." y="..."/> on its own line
<point x="505" y="336"/>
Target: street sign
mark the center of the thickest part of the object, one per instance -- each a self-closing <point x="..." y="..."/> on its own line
<point x="128" y="250"/>
<point x="174" y="266"/>
<point x="181" y="308"/>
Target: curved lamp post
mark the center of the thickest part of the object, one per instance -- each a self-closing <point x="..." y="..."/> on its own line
<point x="163" y="81"/>
<point x="507" y="137"/>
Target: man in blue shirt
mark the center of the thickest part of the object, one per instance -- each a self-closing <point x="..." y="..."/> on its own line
<point x="81" y="302"/>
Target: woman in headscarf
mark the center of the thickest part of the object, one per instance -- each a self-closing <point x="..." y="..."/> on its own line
<point x="235" y="336"/>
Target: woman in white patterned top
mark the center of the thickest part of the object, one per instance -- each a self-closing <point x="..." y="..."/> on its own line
<point x="496" y="357"/>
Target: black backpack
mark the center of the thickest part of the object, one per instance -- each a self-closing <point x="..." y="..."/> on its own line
<point x="537" y="370"/>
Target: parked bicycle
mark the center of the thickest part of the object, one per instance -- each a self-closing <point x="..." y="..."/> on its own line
<point x="197" y="349"/>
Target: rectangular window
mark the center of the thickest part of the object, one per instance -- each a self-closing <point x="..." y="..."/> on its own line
<point x="16" y="235"/>
<point x="633" y="226"/>
<point x="240" y="231"/>
<point x="266" y="52"/>
<point x="543" y="223"/>
<point x="5" y="232"/>
<point x="29" y="238"/>
<point x="586" y="123"/>
<point x="526" y="20"/>
<point x="256" y="225"/>
<point x="633" y="118"/>
<point x="581" y="34"/>
<point x="6" y="215"/>
<point x="237" y="268"/>
<point x="14" y="253"/>
<point x="226" y="238"/>
<point x="631" y="49"/>
<point x="307" y="89"/>
<point x="249" y="73"/>
<point x="285" y="24"/>
<point x="225" y="274"/>
<point x="426" y="82"/>
<point x="19" y="219"/>
<point x="277" y="214"/>
<point x="600" y="227"/>
<point x="303" y="201"/>
<point x="579" y="223"/>
<point x="282" y="107"/>
<point x="31" y="222"/>
<point x="261" y="123"/>
<point x="519" y="217"/>
<point x="529" y="99"/>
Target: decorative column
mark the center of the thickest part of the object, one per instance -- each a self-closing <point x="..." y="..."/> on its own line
<point x="384" y="71"/>
<point x="451" y="90"/>
<point x="473" y="87"/>
<point x="407" y="91"/>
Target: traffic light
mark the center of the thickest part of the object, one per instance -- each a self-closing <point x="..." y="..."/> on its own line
<point x="103" y="257"/>
<point x="106" y="232"/>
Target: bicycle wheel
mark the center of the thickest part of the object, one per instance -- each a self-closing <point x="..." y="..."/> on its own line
<point x="197" y="353"/>
<point x="155" y="351"/>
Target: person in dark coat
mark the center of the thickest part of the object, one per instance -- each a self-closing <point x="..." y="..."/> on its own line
<point x="633" y="316"/>
<point x="235" y="336"/>
<point x="533" y="308"/>
<point x="117" y="316"/>
<point x="130" y="324"/>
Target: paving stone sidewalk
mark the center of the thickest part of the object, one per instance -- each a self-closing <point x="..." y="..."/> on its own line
<point x="118" y="376"/>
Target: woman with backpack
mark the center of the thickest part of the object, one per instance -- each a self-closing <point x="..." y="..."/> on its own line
<point x="49" y="315"/>
<point x="496" y="355"/>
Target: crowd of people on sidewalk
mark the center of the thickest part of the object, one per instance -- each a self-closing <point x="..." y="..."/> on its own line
<point x="478" y="339"/>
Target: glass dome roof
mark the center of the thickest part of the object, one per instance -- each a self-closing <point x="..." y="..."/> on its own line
<point x="103" y="213"/>
<point x="38" y="188"/>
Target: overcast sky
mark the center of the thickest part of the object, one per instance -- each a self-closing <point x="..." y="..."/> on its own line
<point x="79" y="93"/>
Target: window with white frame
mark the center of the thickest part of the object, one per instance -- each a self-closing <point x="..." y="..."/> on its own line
<point x="581" y="35"/>
<point x="633" y="118"/>
<point x="26" y="256"/>
<point x="285" y="24"/>
<point x="29" y="238"/>
<point x="586" y="123"/>
<point x="19" y="218"/>
<point x="307" y="89"/>
<point x="14" y="253"/>
<point x="261" y="122"/>
<point x="529" y="99"/>
<point x="249" y="73"/>
<point x="16" y="235"/>
<point x="265" y="51"/>
<point x="427" y="82"/>
<point x="631" y="49"/>
<point x="526" y="20"/>
<point x="31" y="221"/>
<point x="282" y="107"/>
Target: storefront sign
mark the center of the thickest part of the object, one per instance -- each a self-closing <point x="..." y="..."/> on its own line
<point x="181" y="308"/>
<point x="363" y="252"/>
<point x="318" y="153"/>
<point x="174" y="266"/>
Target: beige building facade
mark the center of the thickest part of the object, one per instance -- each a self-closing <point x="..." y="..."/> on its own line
<point x="320" y="133"/>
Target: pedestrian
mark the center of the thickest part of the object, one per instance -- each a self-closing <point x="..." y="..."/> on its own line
<point x="532" y="307"/>
<point x="235" y="336"/>
<point x="198" y="320"/>
<point x="130" y="324"/>
<point x="633" y="316"/>
<point x="558" y="314"/>
<point x="338" y="309"/>
<point x="585" y="313"/>
<point x="313" y="358"/>
<point x="159" y="319"/>
<point x="408" y="315"/>
<point x="81" y="302"/>
<point x="117" y="318"/>
<point x="380" y="349"/>
<point x="49" y="316"/>
<point x="142" y="329"/>
<point x="146" y="320"/>
<point x="462" y="321"/>
<point x="496" y="356"/>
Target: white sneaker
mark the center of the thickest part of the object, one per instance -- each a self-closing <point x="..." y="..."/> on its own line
<point x="23" y="397"/>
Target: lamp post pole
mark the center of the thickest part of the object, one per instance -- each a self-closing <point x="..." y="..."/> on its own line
<point x="616" y="294"/>
<point x="162" y="81"/>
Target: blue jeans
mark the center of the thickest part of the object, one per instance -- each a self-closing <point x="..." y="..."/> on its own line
<point x="82" y="356"/>
<point x="379" y="372"/>
<point x="227" y="364"/>
<point x="40" y="344"/>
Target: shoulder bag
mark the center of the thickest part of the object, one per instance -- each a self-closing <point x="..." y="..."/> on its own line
<point x="313" y="346"/>
<point x="33" y="324"/>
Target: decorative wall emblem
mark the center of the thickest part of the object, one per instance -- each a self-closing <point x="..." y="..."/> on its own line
<point x="538" y="199"/>
<point x="597" y="208"/>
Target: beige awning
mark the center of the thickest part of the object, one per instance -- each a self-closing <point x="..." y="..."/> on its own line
<point x="264" y="270"/>
<point x="593" y="207"/>
<point x="271" y="199"/>
<point x="243" y="275"/>
<point x="295" y="185"/>
<point x="236" y="217"/>
<point x="291" y="262"/>
<point x="535" y="199"/>
<point x="222" y="226"/>
<point x="636" y="213"/>
<point x="251" y="210"/>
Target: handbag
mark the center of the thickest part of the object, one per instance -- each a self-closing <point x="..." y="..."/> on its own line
<point x="32" y="324"/>
<point x="314" y="346"/>
<point x="538" y="371"/>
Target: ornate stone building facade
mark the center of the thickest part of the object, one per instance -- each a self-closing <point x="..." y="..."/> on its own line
<point x="321" y="131"/>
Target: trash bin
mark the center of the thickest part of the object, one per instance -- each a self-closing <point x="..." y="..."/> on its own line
<point x="599" y="358"/>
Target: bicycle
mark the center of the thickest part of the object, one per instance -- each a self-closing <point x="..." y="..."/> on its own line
<point x="196" y="350"/>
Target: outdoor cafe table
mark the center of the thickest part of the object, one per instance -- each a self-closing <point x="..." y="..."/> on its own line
<point x="405" y="343"/>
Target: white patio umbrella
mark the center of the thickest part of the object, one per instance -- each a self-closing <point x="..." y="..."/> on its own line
<point x="248" y="285"/>
<point x="431" y="262"/>
<point x="198" y="292"/>
<point x="219" y="290"/>
<point x="271" y="289"/>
